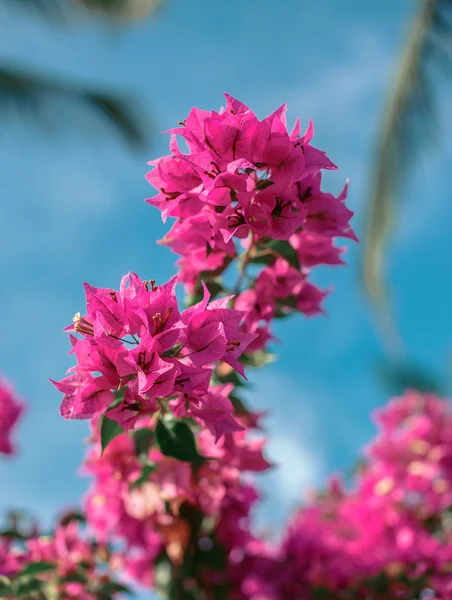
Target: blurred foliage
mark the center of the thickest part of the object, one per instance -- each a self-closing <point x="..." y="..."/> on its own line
<point x="123" y="9"/>
<point x="409" y="125"/>
<point x="398" y="377"/>
<point x="30" y="92"/>
<point x="118" y="9"/>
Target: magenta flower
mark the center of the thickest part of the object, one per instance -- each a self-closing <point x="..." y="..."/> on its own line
<point x="11" y="409"/>
<point x="243" y="175"/>
<point x="134" y="342"/>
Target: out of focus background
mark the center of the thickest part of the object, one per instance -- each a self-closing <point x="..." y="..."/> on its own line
<point x="85" y="91"/>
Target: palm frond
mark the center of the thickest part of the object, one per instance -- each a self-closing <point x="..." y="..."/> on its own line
<point x="22" y="91"/>
<point x="123" y="9"/>
<point x="410" y="120"/>
<point x="118" y="9"/>
<point x="408" y="375"/>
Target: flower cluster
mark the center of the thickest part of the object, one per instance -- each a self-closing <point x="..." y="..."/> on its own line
<point x="65" y="564"/>
<point x="254" y="181"/>
<point x="138" y="349"/>
<point x="390" y="536"/>
<point x="169" y="512"/>
<point x="11" y="409"/>
<point x="172" y="442"/>
<point x="280" y="290"/>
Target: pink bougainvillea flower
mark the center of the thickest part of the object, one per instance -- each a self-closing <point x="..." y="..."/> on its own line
<point x="247" y="175"/>
<point x="135" y="342"/>
<point x="11" y="409"/>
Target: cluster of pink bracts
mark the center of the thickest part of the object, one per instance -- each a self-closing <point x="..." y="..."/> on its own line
<point x="11" y="409"/>
<point x="141" y="344"/>
<point x="172" y="445"/>
<point x="250" y="180"/>
<point x="389" y="535"/>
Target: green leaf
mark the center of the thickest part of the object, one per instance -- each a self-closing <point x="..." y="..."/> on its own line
<point x="285" y="250"/>
<point x="109" y="429"/>
<point x="112" y="587"/>
<point x="239" y="406"/>
<point x="119" y="397"/>
<point x="280" y="313"/>
<point x="321" y="594"/>
<point x="215" y="557"/>
<point x="263" y="183"/>
<point x="5" y="586"/>
<point x="12" y="534"/>
<point x="400" y="377"/>
<point x="263" y="259"/>
<point x="72" y="516"/>
<point x="36" y="568"/>
<point x="143" y="439"/>
<point x="266" y="254"/>
<point x="24" y="588"/>
<point x="147" y="470"/>
<point x="285" y="307"/>
<point x="214" y="285"/>
<point x="176" y="439"/>
<point x="257" y="359"/>
<point x="232" y="377"/>
<point x="74" y="578"/>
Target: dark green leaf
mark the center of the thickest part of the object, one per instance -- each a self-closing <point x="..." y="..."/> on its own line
<point x="215" y="557"/>
<point x="176" y="439"/>
<point x="231" y="377"/>
<point x="400" y="377"/>
<point x="74" y="577"/>
<point x="266" y="254"/>
<point x="214" y="285"/>
<point x="12" y="534"/>
<point x="143" y="439"/>
<point x="239" y="406"/>
<point x="263" y="258"/>
<point x="37" y="567"/>
<point x="257" y="359"/>
<point x="281" y="313"/>
<point x="109" y="429"/>
<point x="147" y="470"/>
<point x="119" y="397"/>
<point x="72" y="516"/>
<point x="112" y="587"/>
<point x="263" y="183"/>
<point x="285" y="250"/>
<point x="321" y="594"/>
<point x="5" y="586"/>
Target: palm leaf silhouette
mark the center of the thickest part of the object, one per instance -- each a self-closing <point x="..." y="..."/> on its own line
<point x="410" y="121"/>
<point x="26" y="92"/>
<point x="32" y="92"/>
<point x="118" y="9"/>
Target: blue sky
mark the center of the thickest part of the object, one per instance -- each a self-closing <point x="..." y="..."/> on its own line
<point x="72" y="210"/>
